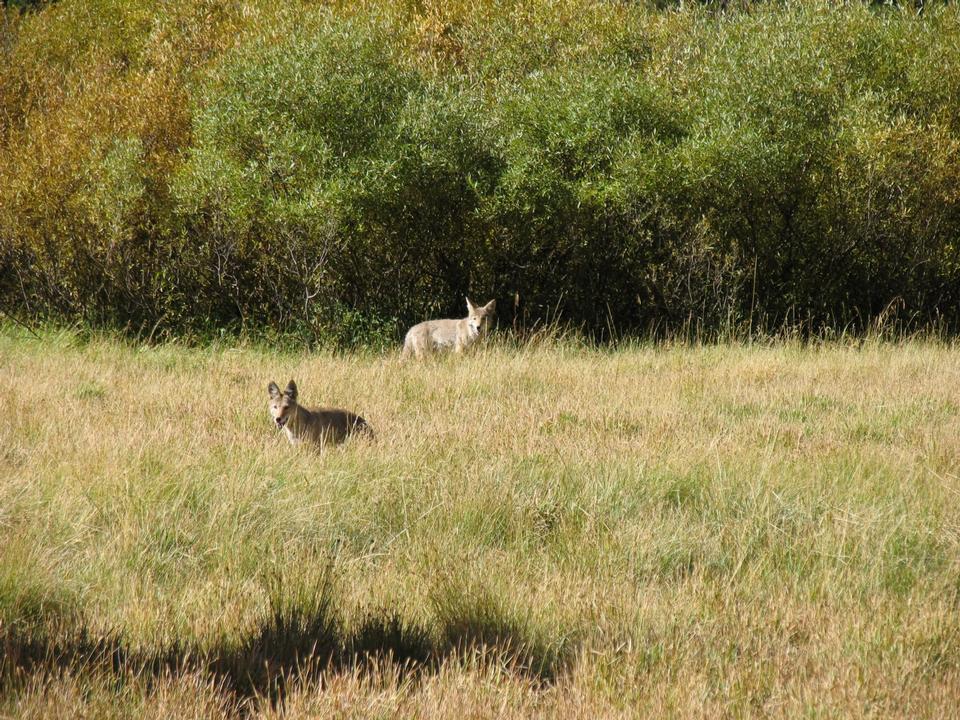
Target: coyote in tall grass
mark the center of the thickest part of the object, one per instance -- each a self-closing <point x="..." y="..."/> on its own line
<point x="444" y="334"/>
<point x="319" y="425"/>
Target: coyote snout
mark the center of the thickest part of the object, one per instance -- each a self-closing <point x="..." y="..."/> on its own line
<point x="281" y="405"/>
<point x="319" y="425"/>
<point x="445" y="334"/>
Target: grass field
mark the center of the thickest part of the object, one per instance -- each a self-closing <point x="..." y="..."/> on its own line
<point x="551" y="531"/>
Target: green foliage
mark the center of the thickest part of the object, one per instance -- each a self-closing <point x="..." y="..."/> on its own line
<point x="341" y="172"/>
<point x="284" y="137"/>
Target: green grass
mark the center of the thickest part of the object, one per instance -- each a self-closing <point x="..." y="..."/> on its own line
<point x="547" y="530"/>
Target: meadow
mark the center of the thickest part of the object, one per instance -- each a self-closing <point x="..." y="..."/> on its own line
<point x="547" y="530"/>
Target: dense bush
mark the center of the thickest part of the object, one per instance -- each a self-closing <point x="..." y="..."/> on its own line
<point x="341" y="171"/>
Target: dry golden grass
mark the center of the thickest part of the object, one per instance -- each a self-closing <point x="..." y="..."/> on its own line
<point x="690" y="531"/>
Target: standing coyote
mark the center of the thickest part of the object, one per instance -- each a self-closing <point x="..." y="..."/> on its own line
<point x="442" y="334"/>
<point x="320" y="425"/>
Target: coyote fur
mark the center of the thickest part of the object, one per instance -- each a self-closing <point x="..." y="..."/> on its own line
<point x="445" y="334"/>
<point x="319" y="425"/>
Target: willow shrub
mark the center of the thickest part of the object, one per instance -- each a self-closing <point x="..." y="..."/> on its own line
<point x="94" y="116"/>
<point x="285" y="137"/>
<point x="342" y="171"/>
<point x="805" y="165"/>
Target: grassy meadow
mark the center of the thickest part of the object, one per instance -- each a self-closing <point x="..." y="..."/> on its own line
<point x="548" y="530"/>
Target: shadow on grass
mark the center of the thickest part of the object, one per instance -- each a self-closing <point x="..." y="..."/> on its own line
<point x="300" y="636"/>
<point x="473" y="617"/>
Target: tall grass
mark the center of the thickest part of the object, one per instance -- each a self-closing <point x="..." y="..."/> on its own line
<point x="550" y="530"/>
<point x="340" y="170"/>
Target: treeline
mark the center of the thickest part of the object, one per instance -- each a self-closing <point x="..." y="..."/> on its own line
<point x="342" y="170"/>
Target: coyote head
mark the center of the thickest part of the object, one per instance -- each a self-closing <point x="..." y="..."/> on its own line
<point x="282" y="404"/>
<point x="480" y="318"/>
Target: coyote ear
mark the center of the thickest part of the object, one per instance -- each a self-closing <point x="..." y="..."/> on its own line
<point x="470" y="306"/>
<point x="291" y="390"/>
<point x="273" y="390"/>
<point x="490" y="306"/>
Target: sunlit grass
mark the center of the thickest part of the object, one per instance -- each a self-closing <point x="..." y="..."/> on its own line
<point x="552" y="530"/>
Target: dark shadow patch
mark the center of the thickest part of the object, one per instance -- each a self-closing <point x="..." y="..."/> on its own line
<point x="299" y="629"/>
<point x="475" y="620"/>
<point x="386" y="635"/>
<point x="300" y="635"/>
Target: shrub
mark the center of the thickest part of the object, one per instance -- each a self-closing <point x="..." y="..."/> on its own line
<point x="343" y="171"/>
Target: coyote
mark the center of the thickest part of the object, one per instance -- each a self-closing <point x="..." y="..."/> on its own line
<point x="320" y="426"/>
<point x="442" y="334"/>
